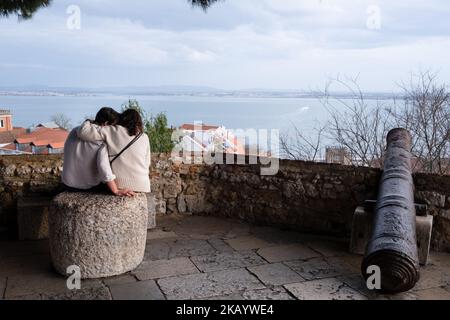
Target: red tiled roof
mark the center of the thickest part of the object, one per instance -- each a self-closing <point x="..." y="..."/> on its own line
<point x="202" y="127"/>
<point x="40" y="143"/>
<point x="43" y="137"/>
<point x="10" y="146"/>
<point x="56" y="145"/>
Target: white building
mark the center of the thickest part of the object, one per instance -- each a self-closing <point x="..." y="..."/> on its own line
<point x="206" y="138"/>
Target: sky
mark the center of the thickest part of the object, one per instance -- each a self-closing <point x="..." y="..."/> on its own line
<point x="236" y="44"/>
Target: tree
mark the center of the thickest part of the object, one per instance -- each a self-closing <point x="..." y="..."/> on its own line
<point x="134" y="104"/>
<point x="24" y="9"/>
<point x="156" y="127"/>
<point x="62" y="121"/>
<point x="357" y="127"/>
<point x="360" y="127"/>
<point x="159" y="133"/>
<point x="355" y="124"/>
<point x="300" y="146"/>
<point x="205" y="4"/>
<point x="425" y="112"/>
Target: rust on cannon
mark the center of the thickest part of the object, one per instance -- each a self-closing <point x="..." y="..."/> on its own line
<point x="393" y="244"/>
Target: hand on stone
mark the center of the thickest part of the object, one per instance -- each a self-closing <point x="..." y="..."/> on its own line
<point x="124" y="193"/>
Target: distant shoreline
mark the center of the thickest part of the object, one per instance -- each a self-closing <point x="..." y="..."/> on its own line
<point x="218" y="94"/>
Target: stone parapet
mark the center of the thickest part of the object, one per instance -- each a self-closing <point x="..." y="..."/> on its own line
<point x="304" y="196"/>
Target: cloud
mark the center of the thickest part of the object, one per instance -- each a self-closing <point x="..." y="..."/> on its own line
<point x="237" y="44"/>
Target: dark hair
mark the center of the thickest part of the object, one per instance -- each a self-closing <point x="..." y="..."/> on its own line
<point x="107" y="116"/>
<point x="132" y="121"/>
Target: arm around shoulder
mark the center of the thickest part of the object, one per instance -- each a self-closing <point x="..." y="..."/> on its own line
<point x="89" y="131"/>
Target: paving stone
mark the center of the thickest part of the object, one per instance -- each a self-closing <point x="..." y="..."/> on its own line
<point x="352" y="262"/>
<point x="374" y="295"/>
<point x="329" y="248"/>
<point x="324" y="289"/>
<point x="248" y="243"/>
<point x="399" y="296"/>
<point x="433" y="294"/>
<point x="167" y="222"/>
<point x="163" y="249"/>
<point x="220" y="245"/>
<point x="223" y="261"/>
<point x="22" y="265"/>
<point x="319" y="268"/>
<point x="122" y="279"/>
<point x="141" y="290"/>
<point x="207" y="285"/>
<point x="230" y="297"/>
<point x="188" y="248"/>
<point x="165" y="268"/>
<point x="43" y="283"/>
<point x="237" y="230"/>
<point x="357" y="282"/>
<point x="287" y="253"/>
<point x="157" y="250"/>
<point x="203" y="228"/>
<point x="160" y="234"/>
<point x="277" y="293"/>
<point x="98" y="293"/>
<point x="313" y="269"/>
<point x="275" y="274"/>
<point x="432" y="277"/>
<point x="28" y="269"/>
<point x="277" y="236"/>
<point x="440" y="259"/>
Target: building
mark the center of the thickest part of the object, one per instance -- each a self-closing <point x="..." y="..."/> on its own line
<point x="5" y="120"/>
<point x="48" y="125"/>
<point x="209" y="138"/>
<point x="46" y="138"/>
<point x="42" y="140"/>
<point x="338" y="155"/>
<point x="8" y="133"/>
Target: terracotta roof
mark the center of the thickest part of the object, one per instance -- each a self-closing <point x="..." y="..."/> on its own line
<point x="10" y="146"/>
<point x="40" y="143"/>
<point x="44" y="136"/>
<point x="56" y="145"/>
<point x="202" y="127"/>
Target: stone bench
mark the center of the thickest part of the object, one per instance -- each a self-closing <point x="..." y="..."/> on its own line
<point x="103" y="235"/>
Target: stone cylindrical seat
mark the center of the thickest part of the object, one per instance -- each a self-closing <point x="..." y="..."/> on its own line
<point x="103" y="235"/>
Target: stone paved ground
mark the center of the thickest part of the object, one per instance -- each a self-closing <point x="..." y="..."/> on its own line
<point x="211" y="258"/>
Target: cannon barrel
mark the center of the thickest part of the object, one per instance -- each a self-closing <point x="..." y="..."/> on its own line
<point x="393" y="244"/>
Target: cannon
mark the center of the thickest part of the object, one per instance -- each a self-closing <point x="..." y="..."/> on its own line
<point x="393" y="246"/>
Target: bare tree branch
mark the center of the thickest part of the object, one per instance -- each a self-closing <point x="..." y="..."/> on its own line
<point x="299" y="146"/>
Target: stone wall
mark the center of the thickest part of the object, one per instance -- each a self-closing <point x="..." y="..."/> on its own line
<point x="25" y="176"/>
<point x="309" y="197"/>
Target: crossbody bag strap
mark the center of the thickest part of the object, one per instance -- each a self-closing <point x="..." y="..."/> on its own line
<point x="126" y="148"/>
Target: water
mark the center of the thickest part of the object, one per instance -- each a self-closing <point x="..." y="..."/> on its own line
<point x="232" y="112"/>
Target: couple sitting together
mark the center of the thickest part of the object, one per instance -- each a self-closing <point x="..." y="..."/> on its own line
<point x="111" y="153"/>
